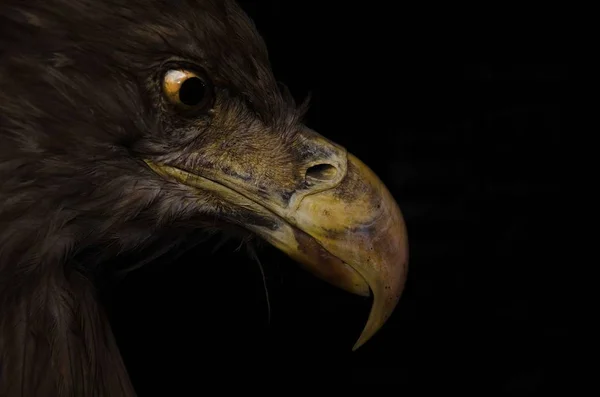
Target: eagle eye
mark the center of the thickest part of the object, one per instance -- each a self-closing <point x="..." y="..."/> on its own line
<point x="187" y="89"/>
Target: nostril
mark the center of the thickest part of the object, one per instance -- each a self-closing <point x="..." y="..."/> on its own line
<point x="321" y="172"/>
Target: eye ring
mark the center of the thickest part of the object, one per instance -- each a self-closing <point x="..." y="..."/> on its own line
<point x="188" y="90"/>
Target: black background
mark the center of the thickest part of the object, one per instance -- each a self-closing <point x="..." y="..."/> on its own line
<point x="471" y="152"/>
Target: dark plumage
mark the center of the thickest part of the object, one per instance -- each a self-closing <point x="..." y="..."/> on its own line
<point x="81" y="109"/>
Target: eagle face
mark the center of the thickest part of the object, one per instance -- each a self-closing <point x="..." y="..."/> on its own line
<point x="124" y="121"/>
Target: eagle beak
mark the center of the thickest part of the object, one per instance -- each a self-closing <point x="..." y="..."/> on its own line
<point x="342" y="224"/>
<point x="358" y="241"/>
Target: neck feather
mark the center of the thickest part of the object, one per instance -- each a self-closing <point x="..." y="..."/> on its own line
<point x="56" y="341"/>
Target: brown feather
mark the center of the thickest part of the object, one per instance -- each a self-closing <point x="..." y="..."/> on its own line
<point x="80" y="107"/>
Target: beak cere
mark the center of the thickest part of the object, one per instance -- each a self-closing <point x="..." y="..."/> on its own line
<point x="341" y="223"/>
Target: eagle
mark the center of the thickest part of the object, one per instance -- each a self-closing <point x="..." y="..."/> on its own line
<point x="129" y="125"/>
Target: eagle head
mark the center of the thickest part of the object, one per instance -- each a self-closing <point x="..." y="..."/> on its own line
<point x="127" y="124"/>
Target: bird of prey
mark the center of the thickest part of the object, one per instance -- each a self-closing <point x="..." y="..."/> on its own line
<point x="131" y="125"/>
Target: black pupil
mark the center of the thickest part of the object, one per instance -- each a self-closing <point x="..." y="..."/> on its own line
<point x="192" y="91"/>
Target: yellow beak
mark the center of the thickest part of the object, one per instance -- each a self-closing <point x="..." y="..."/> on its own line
<point x="345" y="227"/>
